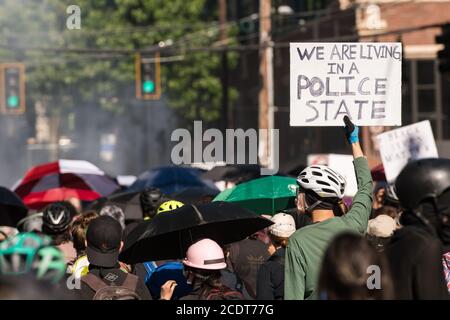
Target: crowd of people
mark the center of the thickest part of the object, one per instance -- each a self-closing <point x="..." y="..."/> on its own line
<point x="393" y="242"/>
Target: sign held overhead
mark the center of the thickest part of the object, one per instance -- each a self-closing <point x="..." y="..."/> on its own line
<point x="331" y="80"/>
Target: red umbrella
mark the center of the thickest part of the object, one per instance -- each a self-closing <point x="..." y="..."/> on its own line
<point x="63" y="179"/>
<point x="378" y="173"/>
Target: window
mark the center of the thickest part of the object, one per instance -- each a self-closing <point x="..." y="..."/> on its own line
<point x="425" y="96"/>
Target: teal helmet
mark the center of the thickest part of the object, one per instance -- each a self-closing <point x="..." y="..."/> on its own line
<point x="49" y="264"/>
<point x="17" y="253"/>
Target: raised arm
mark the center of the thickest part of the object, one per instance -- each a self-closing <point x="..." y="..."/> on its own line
<point x="358" y="215"/>
<point x="352" y="134"/>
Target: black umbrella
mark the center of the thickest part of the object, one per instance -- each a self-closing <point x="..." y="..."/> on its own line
<point x="127" y="201"/>
<point x="196" y="195"/>
<point x="169" y="234"/>
<point x="233" y="172"/>
<point x="12" y="208"/>
<point x="169" y="179"/>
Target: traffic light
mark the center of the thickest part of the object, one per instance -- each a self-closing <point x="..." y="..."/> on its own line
<point x="148" y="78"/>
<point x="12" y="89"/>
<point x="444" y="54"/>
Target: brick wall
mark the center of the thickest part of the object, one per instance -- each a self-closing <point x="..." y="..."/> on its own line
<point x="416" y="14"/>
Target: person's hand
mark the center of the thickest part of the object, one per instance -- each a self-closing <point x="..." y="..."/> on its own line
<point x="351" y="131"/>
<point x="167" y="289"/>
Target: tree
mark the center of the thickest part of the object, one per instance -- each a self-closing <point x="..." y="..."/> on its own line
<point x="68" y="79"/>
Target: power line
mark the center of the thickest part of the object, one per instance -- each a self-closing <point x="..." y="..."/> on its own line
<point x="58" y="60"/>
<point x="207" y="32"/>
<point x="222" y="48"/>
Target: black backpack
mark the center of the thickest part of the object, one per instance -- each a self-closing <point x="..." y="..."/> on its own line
<point x="126" y="291"/>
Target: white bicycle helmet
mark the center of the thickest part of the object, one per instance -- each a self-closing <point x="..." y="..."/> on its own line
<point x="324" y="181"/>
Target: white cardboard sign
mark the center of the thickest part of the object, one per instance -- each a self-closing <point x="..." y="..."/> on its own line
<point x="330" y="80"/>
<point x="343" y="164"/>
<point x="399" y="146"/>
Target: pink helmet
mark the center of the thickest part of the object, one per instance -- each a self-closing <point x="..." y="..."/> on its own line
<point x="205" y="254"/>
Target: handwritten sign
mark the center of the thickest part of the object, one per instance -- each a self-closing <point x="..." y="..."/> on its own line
<point x="331" y="80"/>
<point x="399" y="146"/>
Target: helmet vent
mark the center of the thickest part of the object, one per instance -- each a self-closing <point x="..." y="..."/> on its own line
<point x="305" y="180"/>
<point x="316" y="173"/>
<point x="323" y="183"/>
<point x="329" y="171"/>
<point x="334" y="180"/>
<point x="327" y="190"/>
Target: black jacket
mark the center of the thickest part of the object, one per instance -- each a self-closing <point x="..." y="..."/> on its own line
<point x="112" y="276"/>
<point x="246" y="257"/>
<point x="270" y="283"/>
<point x="415" y="259"/>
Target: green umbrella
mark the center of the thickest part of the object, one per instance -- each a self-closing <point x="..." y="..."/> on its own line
<point x="267" y="195"/>
<point x="224" y="194"/>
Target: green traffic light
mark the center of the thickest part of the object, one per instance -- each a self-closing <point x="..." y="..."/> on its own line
<point x="13" y="101"/>
<point x="148" y="86"/>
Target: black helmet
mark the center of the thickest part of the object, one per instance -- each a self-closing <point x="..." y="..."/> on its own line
<point x="56" y="218"/>
<point x="150" y="200"/>
<point x="422" y="179"/>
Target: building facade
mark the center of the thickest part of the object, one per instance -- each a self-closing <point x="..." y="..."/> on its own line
<point x="425" y="92"/>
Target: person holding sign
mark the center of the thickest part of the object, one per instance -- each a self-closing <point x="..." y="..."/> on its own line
<point x="321" y="190"/>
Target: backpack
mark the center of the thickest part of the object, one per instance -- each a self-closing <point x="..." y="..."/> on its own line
<point x="224" y="293"/>
<point x="126" y="291"/>
<point x="150" y="267"/>
<point x="172" y="270"/>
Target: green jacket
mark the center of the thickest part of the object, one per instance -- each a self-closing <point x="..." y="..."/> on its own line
<point x="307" y="245"/>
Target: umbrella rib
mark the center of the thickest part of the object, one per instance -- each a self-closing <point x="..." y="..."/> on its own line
<point x="199" y="215"/>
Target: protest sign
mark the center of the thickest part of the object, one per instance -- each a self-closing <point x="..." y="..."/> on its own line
<point x="331" y="80"/>
<point x="343" y="164"/>
<point x="399" y="146"/>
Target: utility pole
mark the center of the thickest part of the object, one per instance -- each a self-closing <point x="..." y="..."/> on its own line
<point x="265" y="148"/>
<point x="224" y="58"/>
